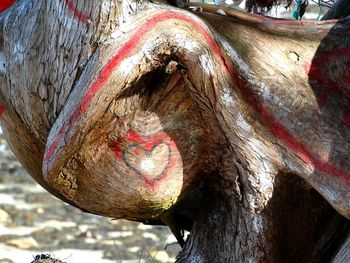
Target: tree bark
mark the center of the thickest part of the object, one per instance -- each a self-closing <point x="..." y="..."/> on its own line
<point x="237" y="123"/>
<point x="340" y="9"/>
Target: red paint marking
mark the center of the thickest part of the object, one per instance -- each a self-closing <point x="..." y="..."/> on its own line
<point x="2" y="110"/>
<point x="298" y="148"/>
<point x="330" y="86"/>
<point x="282" y="133"/>
<point x="4" y="4"/>
<point x="276" y="128"/>
<point x="148" y="144"/>
<point x="124" y="52"/>
<point x="76" y="12"/>
<point x="346" y="117"/>
<point x="287" y="138"/>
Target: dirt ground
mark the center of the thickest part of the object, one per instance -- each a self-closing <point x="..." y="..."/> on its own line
<point x="33" y="222"/>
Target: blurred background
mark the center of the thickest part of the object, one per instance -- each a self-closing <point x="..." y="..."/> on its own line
<point x="34" y="222"/>
<point x="315" y="9"/>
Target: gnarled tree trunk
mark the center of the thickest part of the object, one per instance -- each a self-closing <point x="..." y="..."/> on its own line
<point x="150" y="113"/>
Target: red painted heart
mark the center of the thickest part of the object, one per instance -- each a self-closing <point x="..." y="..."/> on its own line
<point x="149" y="164"/>
<point x="151" y="158"/>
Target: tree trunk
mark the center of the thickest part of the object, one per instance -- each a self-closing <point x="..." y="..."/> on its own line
<point x="236" y="123"/>
<point x="340" y="9"/>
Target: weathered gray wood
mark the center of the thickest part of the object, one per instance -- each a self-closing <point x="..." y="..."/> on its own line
<point x="343" y="255"/>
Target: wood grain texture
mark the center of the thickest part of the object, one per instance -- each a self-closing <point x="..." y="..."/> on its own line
<point x="343" y="254"/>
<point x="105" y="112"/>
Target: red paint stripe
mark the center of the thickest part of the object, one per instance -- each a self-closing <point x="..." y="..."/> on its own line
<point x="298" y="148"/>
<point x="124" y="52"/>
<point x="76" y="12"/>
<point x="5" y="4"/>
<point x="340" y="53"/>
<point x="346" y="117"/>
<point x="2" y="110"/>
<point x="314" y="72"/>
<point x="286" y="137"/>
<point x="274" y="125"/>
